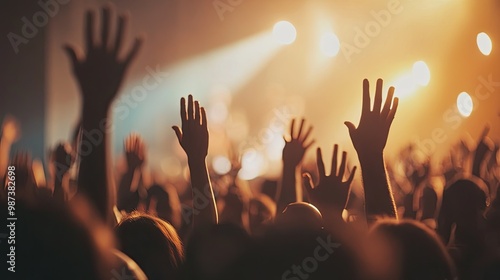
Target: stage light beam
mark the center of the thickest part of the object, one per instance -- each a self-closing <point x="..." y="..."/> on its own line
<point x="284" y="32"/>
<point x="464" y="104"/>
<point x="484" y="43"/>
<point x="330" y="44"/>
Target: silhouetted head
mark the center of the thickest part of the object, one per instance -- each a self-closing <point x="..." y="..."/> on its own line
<point x="464" y="203"/>
<point x="58" y="241"/>
<point x="164" y="203"/>
<point x="299" y="216"/>
<point x="152" y="243"/>
<point x="406" y="250"/>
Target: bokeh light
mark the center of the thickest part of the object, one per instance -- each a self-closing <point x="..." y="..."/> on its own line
<point x="484" y="43"/>
<point x="252" y="164"/>
<point x="284" y="32"/>
<point x="464" y="104"/>
<point x="330" y="44"/>
<point x="421" y="73"/>
<point x="221" y="165"/>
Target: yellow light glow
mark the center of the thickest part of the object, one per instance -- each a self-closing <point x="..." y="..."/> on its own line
<point x="464" y="104"/>
<point x="484" y="43"/>
<point x="421" y="73"/>
<point x="252" y="164"/>
<point x="221" y="165"/>
<point x="330" y="44"/>
<point x="284" y="32"/>
<point x="405" y="85"/>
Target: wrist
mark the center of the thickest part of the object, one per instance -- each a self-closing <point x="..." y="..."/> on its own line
<point x="197" y="160"/>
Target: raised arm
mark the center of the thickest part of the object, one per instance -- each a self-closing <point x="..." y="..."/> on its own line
<point x="331" y="192"/>
<point x="61" y="160"/>
<point x="128" y="193"/>
<point x="10" y="134"/>
<point x="293" y="153"/>
<point x="369" y="140"/>
<point x="99" y="74"/>
<point x="193" y="137"/>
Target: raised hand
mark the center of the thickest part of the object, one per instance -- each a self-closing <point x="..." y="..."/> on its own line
<point x="101" y="70"/>
<point x="484" y="148"/>
<point x="62" y="158"/>
<point x="135" y="151"/>
<point x="332" y="191"/>
<point x="193" y="137"/>
<point x="295" y="148"/>
<point x="25" y="178"/>
<point x="371" y="134"/>
<point x="369" y="140"/>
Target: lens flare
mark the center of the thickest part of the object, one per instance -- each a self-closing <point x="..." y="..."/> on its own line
<point x="484" y="43"/>
<point x="330" y="44"/>
<point x="284" y="32"/>
<point x="464" y="104"/>
<point x="421" y="73"/>
<point x="221" y="165"/>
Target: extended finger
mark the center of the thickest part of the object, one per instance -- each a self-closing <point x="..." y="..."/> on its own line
<point x="366" y="97"/>
<point x="388" y="102"/>
<point x="320" y="163"/>
<point x="333" y="170"/>
<point x="377" y="103"/>
<point x="342" y="166"/>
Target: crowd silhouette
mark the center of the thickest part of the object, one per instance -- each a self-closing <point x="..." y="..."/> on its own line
<point x="416" y="221"/>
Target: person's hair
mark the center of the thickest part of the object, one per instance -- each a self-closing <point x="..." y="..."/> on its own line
<point x="53" y="241"/>
<point x="152" y="243"/>
<point x="423" y="255"/>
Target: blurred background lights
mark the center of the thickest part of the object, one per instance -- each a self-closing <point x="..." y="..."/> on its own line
<point x="330" y="44"/>
<point x="484" y="43"/>
<point x="464" y="104"/>
<point x="252" y="164"/>
<point x="405" y="85"/>
<point x="421" y="73"/>
<point x="221" y="165"/>
<point x="284" y="32"/>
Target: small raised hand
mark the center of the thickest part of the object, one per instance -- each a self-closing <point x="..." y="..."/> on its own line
<point x="193" y="137"/>
<point x="297" y="145"/>
<point x="135" y="151"/>
<point x="371" y="134"/>
<point x="332" y="191"/>
<point x="63" y="158"/>
<point x="101" y="70"/>
<point x="25" y="178"/>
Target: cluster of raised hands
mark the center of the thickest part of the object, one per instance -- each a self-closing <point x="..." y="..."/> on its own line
<point x="100" y="70"/>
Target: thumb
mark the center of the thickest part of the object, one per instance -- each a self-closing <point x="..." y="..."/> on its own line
<point x="178" y="133"/>
<point x="72" y="54"/>
<point x="350" y="126"/>
<point x="307" y="182"/>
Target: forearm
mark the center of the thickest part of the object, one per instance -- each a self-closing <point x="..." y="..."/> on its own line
<point x="124" y="189"/>
<point x="59" y="193"/>
<point x="286" y="193"/>
<point x="379" y="200"/>
<point x="93" y="173"/>
<point x="205" y="213"/>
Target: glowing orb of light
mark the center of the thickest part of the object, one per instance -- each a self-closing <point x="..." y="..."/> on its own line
<point x="284" y="32"/>
<point x="464" y="104"/>
<point x="484" y="43"/>
<point x="330" y="44"/>
<point x="421" y="73"/>
<point x="221" y="165"/>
